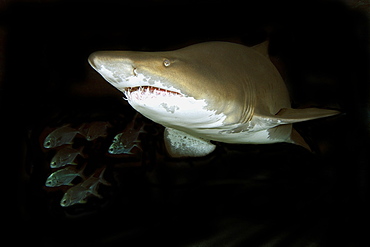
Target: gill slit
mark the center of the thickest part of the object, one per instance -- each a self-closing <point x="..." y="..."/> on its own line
<point x="249" y="101"/>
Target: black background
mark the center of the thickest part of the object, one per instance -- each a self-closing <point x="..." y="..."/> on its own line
<point x="243" y="195"/>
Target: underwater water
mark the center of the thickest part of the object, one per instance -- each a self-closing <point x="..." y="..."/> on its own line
<point x="237" y="188"/>
<point x="239" y="194"/>
<point x="92" y="187"/>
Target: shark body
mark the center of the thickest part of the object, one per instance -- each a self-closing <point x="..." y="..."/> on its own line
<point x="216" y="91"/>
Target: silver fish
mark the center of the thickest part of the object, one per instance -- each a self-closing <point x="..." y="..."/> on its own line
<point x="79" y="193"/>
<point x="63" y="177"/>
<point x="94" y="130"/>
<point x="124" y="142"/>
<point x="65" y="156"/>
<point x="60" y="136"/>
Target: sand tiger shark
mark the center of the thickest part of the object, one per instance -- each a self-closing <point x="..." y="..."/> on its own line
<point x="212" y="91"/>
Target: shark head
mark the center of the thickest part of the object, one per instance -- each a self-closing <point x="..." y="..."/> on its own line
<point x="183" y="89"/>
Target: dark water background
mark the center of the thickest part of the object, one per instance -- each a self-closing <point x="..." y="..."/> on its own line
<point x="241" y="195"/>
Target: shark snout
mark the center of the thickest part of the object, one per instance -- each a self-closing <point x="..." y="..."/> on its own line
<point x="112" y="59"/>
<point x="113" y="66"/>
<point x="94" y="59"/>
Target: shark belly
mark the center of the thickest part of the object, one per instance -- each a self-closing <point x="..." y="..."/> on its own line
<point x="196" y="143"/>
<point x="264" y="136"/>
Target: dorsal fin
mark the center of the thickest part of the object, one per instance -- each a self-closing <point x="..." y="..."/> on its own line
<point x="262" y="48"/>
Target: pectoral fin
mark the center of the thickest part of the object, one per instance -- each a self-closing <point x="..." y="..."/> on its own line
<point x="181" y="144"/>
<point x="288" y="115"/>
<point x="296" y="138"/>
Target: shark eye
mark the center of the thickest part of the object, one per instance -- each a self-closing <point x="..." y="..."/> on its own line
<point x="166" y="63"/>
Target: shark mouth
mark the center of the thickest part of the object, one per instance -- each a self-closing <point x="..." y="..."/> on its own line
<point x="143" y="92"/>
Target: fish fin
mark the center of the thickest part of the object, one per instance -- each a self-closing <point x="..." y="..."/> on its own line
<point x="283" y="117"/>
<point x="83" y="201"/>
<point x="105" y="182"/>
<point x="138" y="146"/>
<point x="289" y="115"/>
<point x="296" y="138"/>
<point x="181" y="144"/>
<point x="81" y="153"/>
<point x="83" y="129"/>
<point x="95" y="193"/>
<point x="81" y="173"/>
<point x="141" y="130"/>
<point x="101" y="178"/>
<point x="262" y="48"/>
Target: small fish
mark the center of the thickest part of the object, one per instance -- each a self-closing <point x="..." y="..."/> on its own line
<point x="63" y="177"/>
<point x="124" y="142"/>
<point x="94" y="130"/>
<point x="79" y="193"/>
<point x="65" y="156"/>
<point x="60" y="136"/>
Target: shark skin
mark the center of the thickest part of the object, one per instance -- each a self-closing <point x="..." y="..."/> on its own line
<point x="212" y="91"/>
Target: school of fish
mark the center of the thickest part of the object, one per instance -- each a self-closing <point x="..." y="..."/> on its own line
<point x="66" y="162"/>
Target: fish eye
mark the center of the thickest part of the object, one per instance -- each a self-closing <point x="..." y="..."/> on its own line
<point x="166" y="62"/>
<point x="47" y="144"/>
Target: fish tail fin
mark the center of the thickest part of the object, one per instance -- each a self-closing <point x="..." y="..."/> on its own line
<point x="81" y="172"/>
<point x="102" y="179"/>
<point x="142" y="129"/>
<point x="94" y="192"/>
<point x="137" y="145"/>
<point x="81" y="153"/>
<point x="297" y="139"/>
<point x="83" y="129"/>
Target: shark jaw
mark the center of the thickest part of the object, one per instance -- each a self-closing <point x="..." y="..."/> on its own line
<point x="142" y="92"/>
<point x="172" y="109"/>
